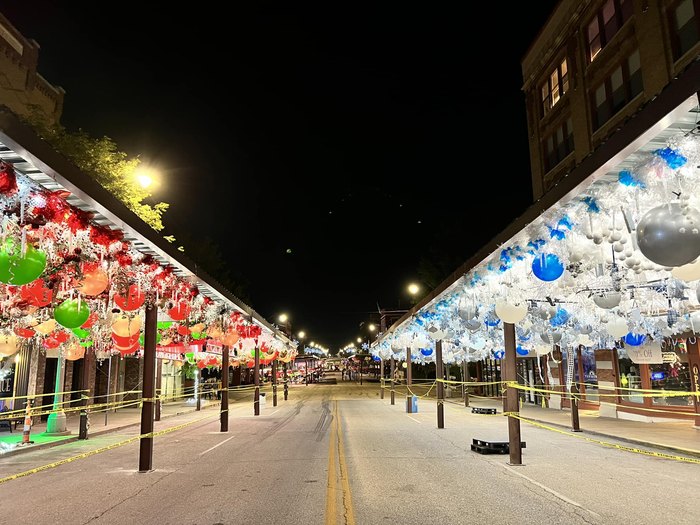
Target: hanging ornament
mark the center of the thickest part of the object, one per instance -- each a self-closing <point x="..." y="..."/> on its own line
<point x="71" y="313"/>
<point x="669" y="235"/>
<point x="8" y="345"/>
<point x="183" y="330"/>
<point x="180" y="311"/>
<point x="125" y="326"/>
<point x="74" y="352"/>
<point x="94" y="282"/>
<point x="133" y="301"/>
<point x="632" y="339"/>
<point x="8" y="179"/>
<point x="687" y="272"/>
<point x="36" y="293"/>
<point x="46" y="327"/>
<point x="25" y="332"/>
<point x="511" y="313"/>
<point x="125" y="342"/>
<point x="90" y="321"/>
<point x="547" y="267"/>
<point x="607" y="300"/>
<point x="17" y="267"/>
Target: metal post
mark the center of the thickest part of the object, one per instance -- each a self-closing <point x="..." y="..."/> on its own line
<point x="198" y="388"/>
<point x="274" y="383"/>
<point x="381" y="378"/>
<point x="465" y="376"/>
<point x="88" y="362"/>
<point x="392" y="370"/>
<point x="573" y="398"/>
<point x="109" y="384"/>
<point x="409" y="373"/>
<point x="439" y="377"/>
<point x="362" y="360"/>
<point x="284" y="378"/>
<point x="256" y="380"/>
<point x="159" y="374"/>
<point x="224" y="388"/>
<point x="510" y="376"/>
<point x="149" y="372"/>
<point x="56" y="423"/>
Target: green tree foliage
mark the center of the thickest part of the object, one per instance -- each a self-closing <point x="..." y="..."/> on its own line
<point x="111" y="168"/>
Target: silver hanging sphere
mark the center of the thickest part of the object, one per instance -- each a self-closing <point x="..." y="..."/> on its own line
<point x="669" y="237"/>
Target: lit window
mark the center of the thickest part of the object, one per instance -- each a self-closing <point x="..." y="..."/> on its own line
<point x="555" y="87"/>
<point x="606" y="23"/>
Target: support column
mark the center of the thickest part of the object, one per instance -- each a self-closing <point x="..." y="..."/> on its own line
<point x="149" y="372"/>
<point x="465" y="377"/>
<point x="284" y="379"/>
<point x="159" y="379"/>
<point x="88" y="364"/>
<point x="274" y="383"/>
<point x="56" y="423"/>
<point x="256" y="382"/>
<point x="409" y="381"/>
<point x="509" y="375"/>
<point x="439" y="377"/>
<point x="392" y="370"/>
<point x="694" y="365"/>
<point x="198" y="388"/>
<point x="573" y="398"/>
<point x="224" y="388"/>
<point x="381" y="378"/>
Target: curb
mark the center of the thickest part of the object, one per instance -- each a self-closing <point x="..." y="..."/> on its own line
<point x="633" y="441"/>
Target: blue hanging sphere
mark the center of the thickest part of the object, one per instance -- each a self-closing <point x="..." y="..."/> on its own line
<point x="635" y="339"/>
<point x="377" y="358"/>
<point x="521" y="350"/>
<point x="499" y="354"/>
<point x="547" y="267"/>
<point x="426" y="351"/>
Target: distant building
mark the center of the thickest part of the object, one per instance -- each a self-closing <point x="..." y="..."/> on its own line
<point x="593" y="65"/>
<point x="22" y="88"/>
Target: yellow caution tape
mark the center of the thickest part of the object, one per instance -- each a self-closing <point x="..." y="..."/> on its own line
<point x="603" y="443"/>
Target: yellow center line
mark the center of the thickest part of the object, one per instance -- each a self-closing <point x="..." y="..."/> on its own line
<point x="336" y="446"/>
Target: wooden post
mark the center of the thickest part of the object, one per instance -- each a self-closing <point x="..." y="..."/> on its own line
<point x="284" y="379"/>
<point x="516" y="456"/>
<point x="149" y="372"/>
<point x="439" y="377"/>
<point x="409" y="373"/>
<point x="381" y="378"/>
<point x="224" y="388"/>
<point x="274" y="383"/>
<point x="393" y="372"/>
<point x="465" y="377"/>
<point x="88" y="363"/>
<point x="575" y="426"/>
<point x="159" y="375"/>
<point x="198" y="388"/>
<point x="256" y="382"/>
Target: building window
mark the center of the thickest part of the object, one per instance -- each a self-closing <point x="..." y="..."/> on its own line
<point x="630" y="381"/>
<point x="554" y="88"/>
<point x="617" y="90"/>
<point x="685" y="26"/>
<point x="606" y="24"/>
<point x="558" y="145"/>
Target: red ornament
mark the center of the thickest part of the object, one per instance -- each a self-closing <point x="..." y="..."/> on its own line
<point x="91" y="321"/>
<point x="51" y="343"/>
<point x="25" y="332"/>
<point x="179" y="312"/>
<point x="104" y="236"/>
<point x="183" y="330"/>
<point x="125" y="341"/>
<point x="8" y="180"/>
<point x="127" y="350"/>
<point x="36" y="293"/>
<point x="61" y="336"/>
<point x="201" y="364"/>
<point x="133" y="301"/>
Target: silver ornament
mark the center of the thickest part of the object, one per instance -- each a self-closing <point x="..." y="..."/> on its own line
<point x="607" y="300"/>
<point x="665" y="235"/>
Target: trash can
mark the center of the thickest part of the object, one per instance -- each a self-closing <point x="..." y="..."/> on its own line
<point x="414" y="404"/>
<point x="262" y="399"/>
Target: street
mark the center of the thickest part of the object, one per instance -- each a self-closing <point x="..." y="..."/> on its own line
<point x="339" y="454"/>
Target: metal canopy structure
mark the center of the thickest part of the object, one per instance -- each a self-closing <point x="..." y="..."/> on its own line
<point x="38" y="160"/>
<point x="674" y="109"/>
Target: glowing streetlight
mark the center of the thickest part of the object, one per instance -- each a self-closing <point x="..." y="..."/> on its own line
<point x="372" y="327"/>
<point x="359" y="339"/>
<point x="301" y="334"/>
<point x="283" y="318"/>
<point x="145" y="176"/>
<point x="413" y="288"/>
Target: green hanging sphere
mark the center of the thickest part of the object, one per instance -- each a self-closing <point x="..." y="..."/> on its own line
<point x="164" y="325"/>
<point x="198" y="335"/>
<point x="71" y="313"/>
<point x="87" y="344"/>
<point x="81" y="333"/>
<point x="19" y="269"/>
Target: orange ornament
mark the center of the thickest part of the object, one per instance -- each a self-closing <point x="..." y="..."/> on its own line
<point x="94" y="282"/>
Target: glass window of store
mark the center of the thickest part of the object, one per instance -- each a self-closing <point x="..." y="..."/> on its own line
<point x="672" y="377"/>
<point x="589" y="374"/>
<point x="630" y="381"/>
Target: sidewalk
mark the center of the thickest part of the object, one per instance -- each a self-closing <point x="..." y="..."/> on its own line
<point x="679" y="437"/>
<point x="115" y="420"/>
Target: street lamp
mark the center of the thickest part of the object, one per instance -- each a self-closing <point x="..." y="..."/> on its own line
<point x="301" y="335"/>
<point x="359" y="339"/>
<point x="372" y="327"/>
<point x="283" y="318"/>
<point x="146" y="176"/>
<point x="413" y="289"/>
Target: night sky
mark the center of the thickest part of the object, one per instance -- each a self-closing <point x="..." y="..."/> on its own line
<point x="362" y="138"/>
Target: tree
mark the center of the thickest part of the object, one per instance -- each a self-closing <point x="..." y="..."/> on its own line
<point x="102" y="160"/>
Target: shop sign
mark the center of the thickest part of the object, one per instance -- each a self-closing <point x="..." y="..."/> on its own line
<point x="169" y="352"/>
<point x="649" y="354"/>
<point x="7" y="378"/>
<point x="669" y="357"/>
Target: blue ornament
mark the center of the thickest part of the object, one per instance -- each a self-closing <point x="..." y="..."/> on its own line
<point x="426" y="351"/>
<point x="561" y="317"/>
<point x="377" y="358"/>
<point x="674" y="159"/>
<point x="591" y="204"/>
<point x="627" y="178"/>
<point x="492" y="320"/>
<point x="634" y="339"/>
<point x="499" y="354"/>
<point x="555" y="233"/>
<point x="521" y="350"/>
<point x="547" y="267"/>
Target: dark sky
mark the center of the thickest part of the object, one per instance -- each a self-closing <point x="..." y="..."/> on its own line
<point x="360" y="137"/>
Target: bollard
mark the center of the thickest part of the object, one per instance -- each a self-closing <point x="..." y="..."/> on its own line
<point x="27" y="424"/>
<point x="575" y="426"/>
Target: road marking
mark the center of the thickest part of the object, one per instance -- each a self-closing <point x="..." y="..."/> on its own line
<point x="550" y="490"/>
<point x="217" y="445"/>
<point x="273" y="412"/>
<point x="337" y="446"/>
<point x="413" y="418"/>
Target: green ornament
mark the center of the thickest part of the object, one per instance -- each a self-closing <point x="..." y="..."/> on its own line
<point x="189" y="356"/>
<point x="87" y="344"/>
<point x="81" y="333"/>
<point x="71" y="313"/>
<point x="164" y="325"/>
<point x="17" y="268"/>
<point x="198" y="335"/>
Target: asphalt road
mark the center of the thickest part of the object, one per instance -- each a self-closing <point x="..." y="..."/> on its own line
<point x="339" y="454"/>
